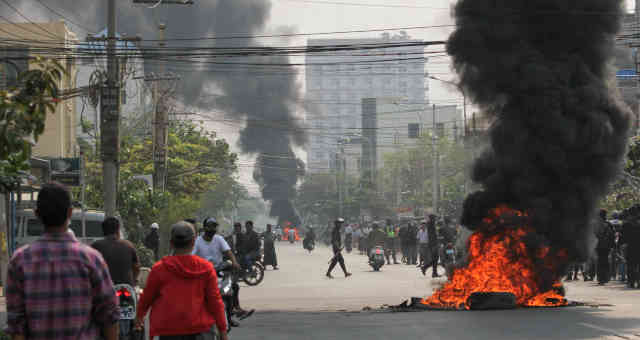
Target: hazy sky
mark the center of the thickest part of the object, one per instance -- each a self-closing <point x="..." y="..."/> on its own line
<point x="311" y="16"/>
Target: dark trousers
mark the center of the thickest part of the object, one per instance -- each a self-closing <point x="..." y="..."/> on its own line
<point x="390" y="250"/>
<point x="633" y="271"/>
<point x="435" y="258"/>
<point x="337" y="258"/>
<point x="604" y="272"/>
<point x="425" y="254"/>
<point x="413" y="253"/>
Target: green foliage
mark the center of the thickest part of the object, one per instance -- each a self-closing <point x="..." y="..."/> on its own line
<point x="626" y="191"/>
<point x="198" y="163"/>
<point x="23" y="113"/>
<point x="145" y="255"/>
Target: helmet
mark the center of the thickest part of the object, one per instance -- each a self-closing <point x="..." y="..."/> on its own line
<point x="155" y="226"/>
<point x="340" y="220"/>
<point x="209" y="223"/>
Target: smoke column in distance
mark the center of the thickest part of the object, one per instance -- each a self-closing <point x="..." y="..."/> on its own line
<point x="265" y="98"/>
<point x="540" y="70"/>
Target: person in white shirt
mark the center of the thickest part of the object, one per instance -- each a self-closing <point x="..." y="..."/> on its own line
<point x="423" y="244"/>
<point x="213" y="248"/>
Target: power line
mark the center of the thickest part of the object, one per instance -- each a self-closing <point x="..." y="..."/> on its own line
<point x="29" y="20"/>
<point x="88" y="30"/>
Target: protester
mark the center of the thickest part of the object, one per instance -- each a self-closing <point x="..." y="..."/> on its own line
<point x="390" y="243"/>
<point x="348" y="238"/>
<point x="357" y="236"/>
<point x="606" y="239"/>
<point x="412" y="243"/>
<point x="309" y="241"/>
<point x="631" y="240"/>
<point x="336" y="243"/>
<point x="423" y="243"/>
<point x="152" y="241"/>
<point x="175" y="280"/>
<point x="214" y="248"/>
<point x="434" y="245"/>
<point x="251" y="245"/>
<point x="54" y="266"/>
<point x="120" y="255"/>
<point x="270" y="258"/>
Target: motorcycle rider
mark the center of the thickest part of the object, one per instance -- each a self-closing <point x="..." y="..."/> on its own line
<point x="376" y="238"/>
<point x="120" y="255"/>
<point x="213" y="248"/>
<point x="251" y="245"/>
<point x="336" y="243"/>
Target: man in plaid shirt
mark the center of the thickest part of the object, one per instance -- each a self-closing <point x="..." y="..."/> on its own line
<point x="57" y="287"/>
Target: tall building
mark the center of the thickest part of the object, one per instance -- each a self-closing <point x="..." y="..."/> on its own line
<point x="389" y="128"/>
<point x="20" y="41"/>
<point x="337" y="81"/>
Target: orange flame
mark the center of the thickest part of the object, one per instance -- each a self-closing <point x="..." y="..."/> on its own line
<point x="500" y="262"/>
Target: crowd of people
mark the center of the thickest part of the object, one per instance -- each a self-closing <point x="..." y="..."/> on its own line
<point x="426" y="244"/>
<point x="617" y="251"/>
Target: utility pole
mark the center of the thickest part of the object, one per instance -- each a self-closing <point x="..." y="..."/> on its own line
<point x="110" y="117"/>
<point x="436" y="166"/>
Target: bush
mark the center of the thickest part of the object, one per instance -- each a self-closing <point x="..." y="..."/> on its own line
<point x="145" y="256"/>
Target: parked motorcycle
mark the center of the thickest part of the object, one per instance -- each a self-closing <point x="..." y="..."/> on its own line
<point x="128" y="302"/>
<point x="376" y="258"/>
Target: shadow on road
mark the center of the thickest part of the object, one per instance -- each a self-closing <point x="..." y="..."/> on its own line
<point x="561" y="323"/>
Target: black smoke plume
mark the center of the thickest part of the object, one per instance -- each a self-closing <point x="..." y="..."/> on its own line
<point x="540" y="70"/>
<point x="265" y="96"/>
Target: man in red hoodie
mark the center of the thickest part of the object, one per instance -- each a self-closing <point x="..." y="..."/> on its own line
<point x="182" y="292"/>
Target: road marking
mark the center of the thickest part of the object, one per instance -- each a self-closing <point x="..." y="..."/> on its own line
<point x="610" y="331"/>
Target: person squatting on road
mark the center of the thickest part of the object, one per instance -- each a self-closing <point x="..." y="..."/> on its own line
<point x="120" y="255"/>
<point x="336" y="243"/>
<point x="182" y="293"/>
<point x="54" y="266"/>
<point x="270" y="258"/>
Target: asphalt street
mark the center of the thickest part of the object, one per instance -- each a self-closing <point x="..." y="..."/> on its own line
<point x="298" y="302"/>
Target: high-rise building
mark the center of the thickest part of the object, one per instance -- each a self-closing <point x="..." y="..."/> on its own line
<point x="337" y="81"/>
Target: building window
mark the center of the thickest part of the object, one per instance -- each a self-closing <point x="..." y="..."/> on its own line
<point x="414" y="130"/>
<point x="123" y="96"/>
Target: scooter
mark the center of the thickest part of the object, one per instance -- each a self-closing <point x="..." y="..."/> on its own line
<point x="376" y="258"/>
<point x="128" y="302"/>
<point x="225" y="284"/>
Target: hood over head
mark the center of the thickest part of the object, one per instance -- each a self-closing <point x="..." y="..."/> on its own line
<point x="187" y="266"/>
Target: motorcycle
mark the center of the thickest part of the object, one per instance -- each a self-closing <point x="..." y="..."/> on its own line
<point x="254" y="273"/>
<point x="225" y="284"/>
<point x="376" y="258"/>
<point x="127" y="301"/>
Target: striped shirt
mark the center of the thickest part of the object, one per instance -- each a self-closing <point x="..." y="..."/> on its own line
<point x="59" y="288"/>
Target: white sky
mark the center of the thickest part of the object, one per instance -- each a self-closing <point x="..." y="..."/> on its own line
<point x="326" y="16"/>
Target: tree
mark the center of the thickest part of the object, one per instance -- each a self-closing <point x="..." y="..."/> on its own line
<point x="626" y="191"/>
<point x="198" y="163"/>
<point x="23" y="113"/>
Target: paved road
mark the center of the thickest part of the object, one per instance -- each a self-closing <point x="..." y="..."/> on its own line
<point x="298" y="302"/>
